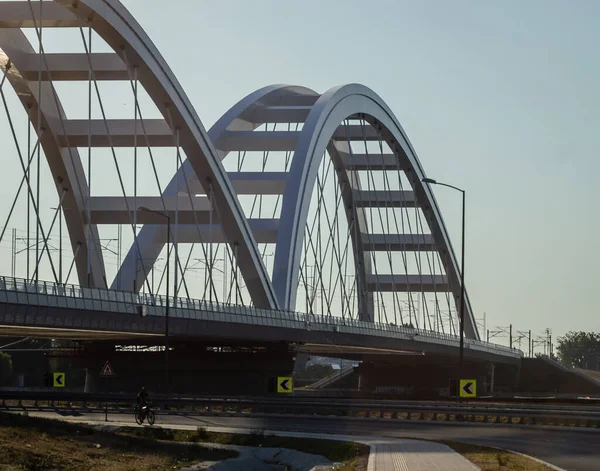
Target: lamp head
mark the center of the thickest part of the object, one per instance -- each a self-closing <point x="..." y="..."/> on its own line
<point x="431" y="181"/>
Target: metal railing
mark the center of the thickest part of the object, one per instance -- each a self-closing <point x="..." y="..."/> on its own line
<point x="510" y="414"/>
<point x="44" y="293"/>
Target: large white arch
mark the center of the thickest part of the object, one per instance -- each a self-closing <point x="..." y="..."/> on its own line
<point x="111" y="20"/>
<point x="135" y="51"/>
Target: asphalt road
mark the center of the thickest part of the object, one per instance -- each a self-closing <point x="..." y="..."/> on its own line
<point x="570" y="450"/>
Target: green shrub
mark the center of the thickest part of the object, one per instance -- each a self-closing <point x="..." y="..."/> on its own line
<point x="201" y="432"/>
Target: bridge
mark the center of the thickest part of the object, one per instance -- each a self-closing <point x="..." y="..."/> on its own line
<point x="69" y="311"/>
<point x="299" y="218"/>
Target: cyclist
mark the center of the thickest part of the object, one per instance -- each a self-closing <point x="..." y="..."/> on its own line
<point x="142" y="401"/>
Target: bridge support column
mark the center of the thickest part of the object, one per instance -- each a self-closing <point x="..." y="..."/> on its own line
<point x="90" y="384"/>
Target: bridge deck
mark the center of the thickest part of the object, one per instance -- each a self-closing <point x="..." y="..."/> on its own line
<point x="44" y="308"/>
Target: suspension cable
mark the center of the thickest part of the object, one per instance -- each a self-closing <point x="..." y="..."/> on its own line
<point x="24" y="170"/>
<point x="23" y="179"/>
<point x="42" y="58"/>
<point x="113" y="152"/>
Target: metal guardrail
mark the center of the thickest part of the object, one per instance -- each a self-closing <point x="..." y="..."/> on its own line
<point x="534" y="414"/>
<point x="43" y="293"/>
<point x="60" y="395"/>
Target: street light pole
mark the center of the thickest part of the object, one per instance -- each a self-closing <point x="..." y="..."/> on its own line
<point x="462" y="273"/>
<point x="462" y="289"/>
<point x="166" y="216"/>
<point x="167" y="306"/>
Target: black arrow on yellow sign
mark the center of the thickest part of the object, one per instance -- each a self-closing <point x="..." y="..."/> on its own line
<point x="468" y="388"/>
<point x="285" y="384"/>
<point x="59" y="380"/>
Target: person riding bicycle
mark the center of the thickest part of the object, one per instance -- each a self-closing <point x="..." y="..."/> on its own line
<point x="142" y="401"/>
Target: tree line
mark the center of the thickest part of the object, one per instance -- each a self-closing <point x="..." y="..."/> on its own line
<point x="579" y="349"/>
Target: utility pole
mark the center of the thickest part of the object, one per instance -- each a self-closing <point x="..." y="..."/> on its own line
<point x="166" y="216"/>
<point x="431" y="181"/>
<point x="549" y="337"/>
<point x="484" y="321"/>
<point x="13" y="262"/>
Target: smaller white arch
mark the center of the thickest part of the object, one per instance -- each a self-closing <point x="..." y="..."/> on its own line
<point x="332" y="108"/>
<point x="239" y="117"/>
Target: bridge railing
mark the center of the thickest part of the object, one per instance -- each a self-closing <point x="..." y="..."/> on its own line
<point x="21" y="291"/>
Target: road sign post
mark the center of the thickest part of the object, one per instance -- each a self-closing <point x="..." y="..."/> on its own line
<point x="58" y="380"/>
<point x="107" y="371"/>
<point x="285" y="384"/>
<point x="468" y="388"/>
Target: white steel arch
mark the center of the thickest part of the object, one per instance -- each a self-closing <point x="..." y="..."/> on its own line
<point x="134" y="55"/>
<point x="324" y="119"/>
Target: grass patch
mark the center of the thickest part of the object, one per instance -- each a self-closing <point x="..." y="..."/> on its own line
<point x="491" y="459"/>
<point x="36" y="444"/>
<point x="354" y="456"/>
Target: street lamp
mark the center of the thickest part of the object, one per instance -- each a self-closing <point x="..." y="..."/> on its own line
<point x="431" y="181"/>
<point x="166" y="216"/>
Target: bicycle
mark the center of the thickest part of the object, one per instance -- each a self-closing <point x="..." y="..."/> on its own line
<point x="142" y="413"/>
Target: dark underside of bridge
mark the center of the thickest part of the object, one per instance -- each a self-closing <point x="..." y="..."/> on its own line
<point x="210" y="357"/>
<point x="198" y="367"/>
<point x="212" y="366"/>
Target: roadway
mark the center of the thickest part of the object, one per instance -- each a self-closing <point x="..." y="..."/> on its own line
<point x="567" y="449"/>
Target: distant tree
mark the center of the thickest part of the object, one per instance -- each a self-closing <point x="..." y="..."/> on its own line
<point x="579" y="349"/>
<point x="5" y="369"/>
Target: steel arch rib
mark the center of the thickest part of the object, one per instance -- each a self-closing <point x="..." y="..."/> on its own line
<point x="64" y="163"/>
<point x="112" y="21"/>
<point x="332" y="108"/>
<point x="151" y="240"/>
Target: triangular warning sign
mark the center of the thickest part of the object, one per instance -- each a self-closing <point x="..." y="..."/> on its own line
<point x="107" y="370"/>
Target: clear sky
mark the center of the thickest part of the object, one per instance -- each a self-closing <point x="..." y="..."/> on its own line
<point x="500" y="98"/>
